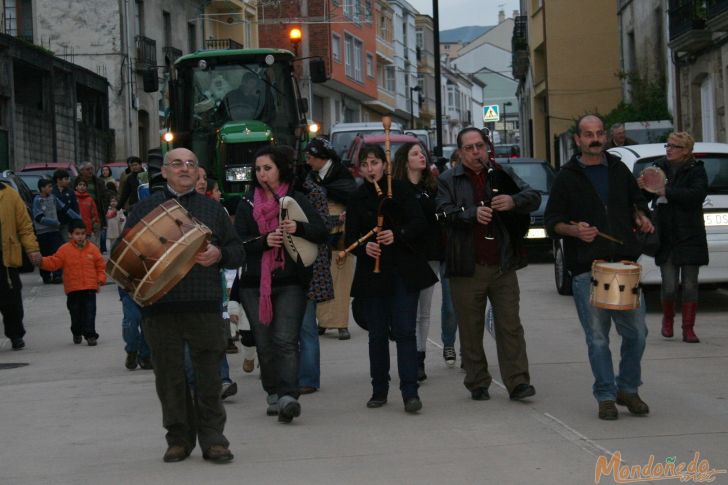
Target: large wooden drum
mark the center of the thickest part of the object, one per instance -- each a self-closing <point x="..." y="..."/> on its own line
<point x="157" y="252"/>
<point x="615" y="286"/>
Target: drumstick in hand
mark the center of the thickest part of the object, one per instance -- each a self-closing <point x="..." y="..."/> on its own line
<point x="601" y="234"/>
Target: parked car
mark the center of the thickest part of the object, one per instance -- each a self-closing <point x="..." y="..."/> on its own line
<point x="424" y="137"/>
<point x="13" y="180"/>
<point x="507" y="151"/>
<point x="351" y="160"/>
<point x="539" y="175"/>
<point x="715" y="213"/>
<point x="117" y="168"/>
<point x="47" y="168"/>
<point x="31" y="180"/>
<point x="343" y="134"/>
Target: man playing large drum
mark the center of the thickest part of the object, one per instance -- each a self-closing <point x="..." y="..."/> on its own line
<point x="190" y="313"/>
<point x="595" y="194"/>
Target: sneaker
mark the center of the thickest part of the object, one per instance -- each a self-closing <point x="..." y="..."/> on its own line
<point x="272" y="401"/>
<point x="91" y="341"/>
<point x="376" y="401"/>
<point x="412" y="405"/>
<point x="131" y="360"/>
<point x="633" y="402"/>
<point x="289" y="408"/>
<point x="18" y="343"/>
<point x="146" y="363"/>
<point x="344" y="334"/>
<point x="77" y="339"/>
<point x="608" y="411"/>
<point x="522" y="391"/>
<point x="228" y="389"/>
<point x="448" y="353"/>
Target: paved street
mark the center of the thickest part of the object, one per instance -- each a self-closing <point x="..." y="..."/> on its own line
<point x="75" y="415"/>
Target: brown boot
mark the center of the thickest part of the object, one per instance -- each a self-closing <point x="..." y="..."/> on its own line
<point x="688" y="322"/>
<point x="668" y="318"/>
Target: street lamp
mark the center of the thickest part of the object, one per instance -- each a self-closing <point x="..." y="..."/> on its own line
<point x="412" y="107"/>
<point x="505" y="121"/>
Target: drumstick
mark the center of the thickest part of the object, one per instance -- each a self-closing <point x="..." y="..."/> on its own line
<point x="601" y="234"/>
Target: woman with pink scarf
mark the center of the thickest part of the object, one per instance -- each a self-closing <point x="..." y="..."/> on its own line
<point x="273" y="286"/>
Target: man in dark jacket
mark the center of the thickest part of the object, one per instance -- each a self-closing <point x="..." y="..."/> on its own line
<point x="129" y="195"/>
<point x="595" y="192"/>
<point x="190" y="313"/>
<point x="487" y="220"/>
<point x="619" y="137"/>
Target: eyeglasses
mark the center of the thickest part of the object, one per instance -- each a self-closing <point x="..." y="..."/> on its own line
<point x="670" y="145"/>
<point x="177" y="164"/>
<point x="473" y="147"/>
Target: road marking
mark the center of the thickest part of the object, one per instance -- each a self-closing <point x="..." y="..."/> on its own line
<point x="572" y="435"/>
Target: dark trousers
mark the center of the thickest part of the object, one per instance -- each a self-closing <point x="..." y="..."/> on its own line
<point x="189" y="417"/>
<point x="11" y="303"/>
<point x="396" y="312"/>
<point x="82" y="307"/>
<point x="49" y="243"/>
<point x="277" y="342"/>
<point x="469" y="297"/>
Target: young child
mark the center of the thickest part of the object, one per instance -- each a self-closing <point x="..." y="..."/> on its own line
<point x="89" y="212"/>
<point x="83" y="274"/>
<point x="47" y="225"/>
<point x="114" y="223"/>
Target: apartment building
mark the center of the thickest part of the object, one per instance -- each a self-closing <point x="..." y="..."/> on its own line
<point x="426" y="71"/>
<point x="405" y="62"/>
<point x="566" y="59"/>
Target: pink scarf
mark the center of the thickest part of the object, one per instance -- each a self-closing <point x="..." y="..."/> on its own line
<point x="265" y="213"/>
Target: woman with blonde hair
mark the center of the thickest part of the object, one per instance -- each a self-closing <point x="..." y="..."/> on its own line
<point x="679" y="220"/>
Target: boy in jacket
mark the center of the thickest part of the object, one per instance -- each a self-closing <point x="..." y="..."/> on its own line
<point x="84" y="272"/>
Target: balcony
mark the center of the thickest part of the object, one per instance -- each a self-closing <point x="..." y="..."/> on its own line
<point x="717" y="13"/>
<point x="170" y="54"/>
<point x="519" y="64"/>
<point x="146" y="52"/>
<point x="687" y="25"/>
<point x="222" y="44"/>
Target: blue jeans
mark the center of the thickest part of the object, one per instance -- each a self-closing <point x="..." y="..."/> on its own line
<point x="131" y="326"/>
<point x="49" y="243"/>
<point x="397" y="311"/>
<point x="277" y="342"/>
<point x="447" y="311"/>
<point x="309" y="357"/>
<point x="630" y="325"/>
<point x="672" y="275"/>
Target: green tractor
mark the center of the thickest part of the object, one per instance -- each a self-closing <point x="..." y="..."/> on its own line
<point x="227" y="104"/>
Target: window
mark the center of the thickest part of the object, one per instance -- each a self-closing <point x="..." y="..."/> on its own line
<point x="352" y="10"/>
<point x="348" y="56"/>
<point x="370" y="65"/>
<point x="358" y="48"/>
<point x="139" y="14"/>
<point x="248" y="33"/>
<point x="391" y="84"/>
<point x="368" y="10"/>
<point x="336" y="47"/>
<point x="167" y="17"/>
<point x="192" y="37"/>
<point x="420" y="38"/>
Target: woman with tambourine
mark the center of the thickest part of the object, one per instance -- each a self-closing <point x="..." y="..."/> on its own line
<point x="272" y="285"/>
<point x="412" y="166"/>
<point x="384" y="231"/>
<point x="678" y="184"/>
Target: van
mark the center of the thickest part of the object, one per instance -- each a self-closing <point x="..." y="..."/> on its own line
<point x="342" y="134"/>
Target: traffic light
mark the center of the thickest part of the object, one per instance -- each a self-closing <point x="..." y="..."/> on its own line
<point x="295" y="35"/>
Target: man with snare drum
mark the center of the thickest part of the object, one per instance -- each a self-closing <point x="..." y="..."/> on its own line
<point x="594" y="205"/>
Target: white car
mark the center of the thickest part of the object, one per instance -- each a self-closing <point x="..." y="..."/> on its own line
<point x="715" y="213"/>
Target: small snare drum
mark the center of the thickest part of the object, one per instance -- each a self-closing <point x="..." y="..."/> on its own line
<point x="615" y="286"/>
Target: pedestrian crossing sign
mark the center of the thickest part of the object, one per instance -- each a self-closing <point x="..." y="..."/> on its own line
<point x="491" y="112"/>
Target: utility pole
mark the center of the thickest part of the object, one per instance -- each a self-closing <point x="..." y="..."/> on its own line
<point x="438" y="87"/>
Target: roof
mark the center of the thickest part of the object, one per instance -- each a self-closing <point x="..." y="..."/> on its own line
<point x="463" y="34"/>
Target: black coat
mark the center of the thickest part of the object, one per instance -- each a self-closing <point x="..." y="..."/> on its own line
<point x="402" y="215"/>
<point x="680" y="221"/>
<point x="433" y="242"/>
<point x="574" y="198"/>
<point x="339" y="183"/>
<point x="291" y="274"/>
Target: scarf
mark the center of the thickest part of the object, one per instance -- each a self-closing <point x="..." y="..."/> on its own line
<point x="265" y="213"/>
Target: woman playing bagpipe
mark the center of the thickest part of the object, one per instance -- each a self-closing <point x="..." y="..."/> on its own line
<point x="383" y="230"/>
<point x="272" y="285"/>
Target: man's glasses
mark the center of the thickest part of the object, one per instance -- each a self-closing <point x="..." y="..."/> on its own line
<point x="473" y="147"/>
<point x="180" y="163"/>
<point x="670" y="145"/>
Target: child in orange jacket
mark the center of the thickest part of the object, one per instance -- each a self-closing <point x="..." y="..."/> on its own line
<point x="83" y="274"/>
<point x="89" y="212"/>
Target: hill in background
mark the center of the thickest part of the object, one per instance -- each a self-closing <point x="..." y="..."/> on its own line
<point x="463" y="34"/>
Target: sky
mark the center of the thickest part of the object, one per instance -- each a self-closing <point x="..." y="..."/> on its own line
<point x="459" y="13"/>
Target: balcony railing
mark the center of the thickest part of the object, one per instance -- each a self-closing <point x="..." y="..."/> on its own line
<point x="146" y="52"/>
<point x="218" y="44"/>
<point x="519" y="64"/>
<point x="686" y="15"/>
<point x="171" y="54"/>
<point x="717" y="7"/>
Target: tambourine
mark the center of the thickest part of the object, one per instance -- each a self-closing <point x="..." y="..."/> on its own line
<point x="653" y="179"/>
